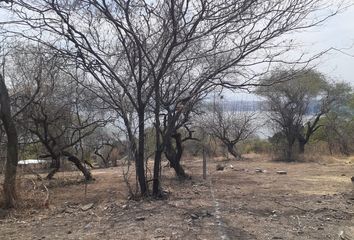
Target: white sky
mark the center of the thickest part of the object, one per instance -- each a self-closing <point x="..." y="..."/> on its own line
<point x="337" y="32"/>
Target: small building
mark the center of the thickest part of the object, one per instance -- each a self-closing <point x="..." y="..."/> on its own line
<point x="33" y="164"/>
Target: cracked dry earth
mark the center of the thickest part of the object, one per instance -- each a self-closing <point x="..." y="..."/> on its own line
<point x="247" y="200"/>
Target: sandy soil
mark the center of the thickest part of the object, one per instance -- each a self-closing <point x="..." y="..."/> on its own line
<point x="247" y="200"/>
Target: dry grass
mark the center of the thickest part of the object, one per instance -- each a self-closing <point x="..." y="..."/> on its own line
<point x="315" y="200"/>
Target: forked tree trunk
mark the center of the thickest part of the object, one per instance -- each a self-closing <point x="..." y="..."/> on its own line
<point x="231" y="149"/>
<point x="174" y="156"/>
<point x="9" y="186"/>
<point x="73" y="159"/>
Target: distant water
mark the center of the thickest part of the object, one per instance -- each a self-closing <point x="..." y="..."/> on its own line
<point x="265" y="128"/>
<point x="259" y="106"/>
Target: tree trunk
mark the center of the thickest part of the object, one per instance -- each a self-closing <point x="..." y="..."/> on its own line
<point x="289" y="152"/>
<point x="158" y="144"/>
<point x="79" y="165"/>
<point x="104" y="160"/>
<point x="302" y="142"/>
<point x="55" y="167"/>
<point x="156" y="177"/>
<point x="231" y="149"/>
<point x="139" y="155"/>
<point x="9" y="186"/>
<point x="174" y="155"/>
<point x="302" y="147"/>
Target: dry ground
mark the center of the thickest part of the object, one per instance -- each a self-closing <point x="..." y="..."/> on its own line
<point x="312" y="201"/>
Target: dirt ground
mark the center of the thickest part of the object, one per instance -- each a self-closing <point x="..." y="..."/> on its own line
<point x="246" y="200"/>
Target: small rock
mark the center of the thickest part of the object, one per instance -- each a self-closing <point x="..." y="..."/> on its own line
<point x="87" y="207"/>
<point x="205" y="213"/>
<point x="231" y="166"/>
<point x="352" y="179"/>
<point x="194" y="216"/>
<point x="69" y="232"/>
<point x="88" y="226"/>
<point x="282" y="172"/>
<point x="220" y="167"/>
<point x="125" y="207"/>
<point x="69" y="210"/>
<point x="276" y="237"/>
<point x="140" y="218"/>
<point x="258" y="170"/>
<point x="343" y="175"/>
<point x="347" y="234"/>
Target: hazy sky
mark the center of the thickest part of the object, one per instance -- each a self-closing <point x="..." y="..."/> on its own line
<point x="337" y="32"/>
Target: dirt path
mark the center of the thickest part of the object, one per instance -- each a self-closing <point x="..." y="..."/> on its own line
<point x="247" y="200"/>
<point x="219" y="219"/>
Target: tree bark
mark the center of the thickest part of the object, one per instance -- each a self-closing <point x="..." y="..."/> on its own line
<point x="289" y="152"/>
<point x="302" y="147"/>
<point x="174" y="155"/>
<point x="79" y="165"/>
<point x="158" y="145"/>
<point x="73" y="159"/>
<point x="231" y="149"/>
<point x="139" y="155"/>
<point x="303" y="140"/>
<point x="156" y="177"/>
<point x="55" y="167"/>
<point x="9" y="186"/>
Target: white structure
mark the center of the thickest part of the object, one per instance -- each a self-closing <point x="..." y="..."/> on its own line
<point x="31" y="161"/>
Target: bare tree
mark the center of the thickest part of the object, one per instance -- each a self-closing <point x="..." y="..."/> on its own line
<point x="131" y="47"/>
<point x="8" y="113"/>
<point x="337" y="124"/>
<point x="296" y="105"/>
<point x="103" y="145"/>
<point x="62" y="114"/>
<point x="12" y="146"/>
<point x="230" y="127"/>
<point x="56" y="126"/>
